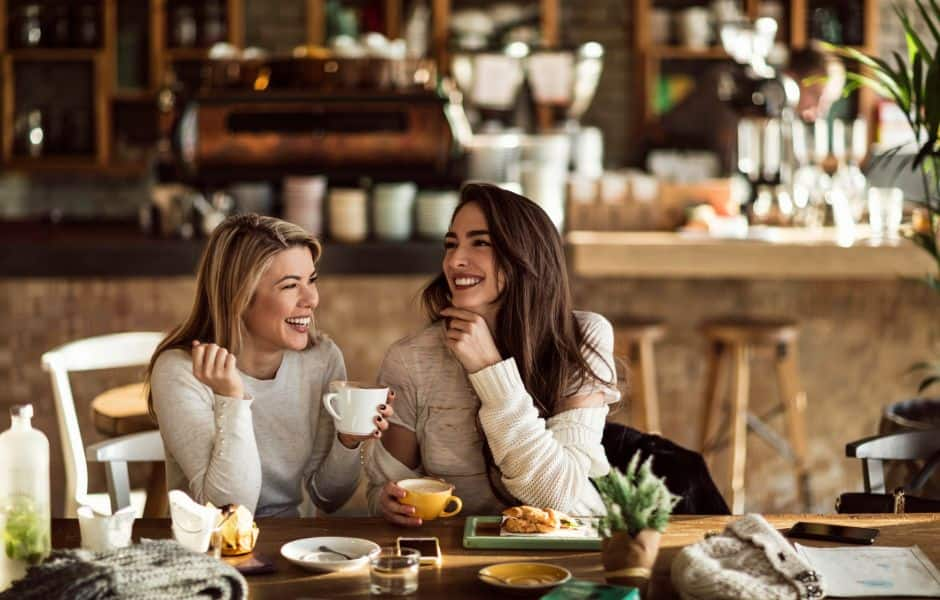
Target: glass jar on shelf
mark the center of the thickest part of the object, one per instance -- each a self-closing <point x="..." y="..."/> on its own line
<point x="213" y="24"/>
<point x="87" y="31"/>
<point x="27" y="26"/>
<point x="30" y="133"/>
<point x="184" y="27"/>
<point x="60" y="26"/>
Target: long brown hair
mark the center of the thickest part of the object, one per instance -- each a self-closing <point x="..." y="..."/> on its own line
<point x="237" y="254"/>
<point x="535" y="323"/>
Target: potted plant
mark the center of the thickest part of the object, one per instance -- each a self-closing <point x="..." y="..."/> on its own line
<point x="913" y="82"/>
<point x="638" y="508"/>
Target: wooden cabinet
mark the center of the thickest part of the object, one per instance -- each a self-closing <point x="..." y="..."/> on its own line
<point x="138" y="43"/>
<point x="795" y="30"/>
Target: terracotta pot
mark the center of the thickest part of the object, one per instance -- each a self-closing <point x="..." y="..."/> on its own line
<point x="623" y="551"/>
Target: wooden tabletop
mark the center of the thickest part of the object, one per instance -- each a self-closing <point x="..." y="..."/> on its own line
<point x="457" y="579"/>
<point x="787" y="253"/>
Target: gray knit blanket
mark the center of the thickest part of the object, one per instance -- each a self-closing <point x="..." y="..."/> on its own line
<point x="150" y="570"/>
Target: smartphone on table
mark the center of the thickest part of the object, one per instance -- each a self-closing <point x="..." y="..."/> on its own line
<point x="833" y="533"/>
<point x="429" y="547"/>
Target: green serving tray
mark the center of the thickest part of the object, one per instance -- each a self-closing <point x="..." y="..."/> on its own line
<point x="487" y="536"/>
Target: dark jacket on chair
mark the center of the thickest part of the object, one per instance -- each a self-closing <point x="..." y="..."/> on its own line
<point x="685" y="471"/>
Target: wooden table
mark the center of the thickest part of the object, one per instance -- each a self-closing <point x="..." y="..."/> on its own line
<point x="457" y="580"/>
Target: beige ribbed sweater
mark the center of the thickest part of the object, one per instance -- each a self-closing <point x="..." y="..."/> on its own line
<point x="544" y="462"/>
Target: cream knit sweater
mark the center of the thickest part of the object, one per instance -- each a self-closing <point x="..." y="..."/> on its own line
<point x="544" y="462"/>
<point x="257" y="452"/>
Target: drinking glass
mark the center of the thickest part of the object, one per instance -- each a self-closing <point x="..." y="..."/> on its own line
<point x="885" y="207"/>
<point x="394" y="571"/>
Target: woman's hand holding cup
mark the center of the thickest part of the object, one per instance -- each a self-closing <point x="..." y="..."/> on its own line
<point x="410" y="502"/>
<point x="384" y="411"/>
<point x="214" y="366"/>
<point x="392" y="508"/>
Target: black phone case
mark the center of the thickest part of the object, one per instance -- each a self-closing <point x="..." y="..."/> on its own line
<point x="825" y="537"/>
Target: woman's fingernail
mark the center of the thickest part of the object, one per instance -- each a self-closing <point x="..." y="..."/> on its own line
<point x="382" y="407"/>
<point x="377" y="434"/>
<point x="378" y="419"/>
<point x="393" y="393"/>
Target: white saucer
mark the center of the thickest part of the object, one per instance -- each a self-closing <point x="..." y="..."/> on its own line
<point x="306" y="553"/>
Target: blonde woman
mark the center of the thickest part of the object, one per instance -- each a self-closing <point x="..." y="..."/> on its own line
<point x="237" y="387"/>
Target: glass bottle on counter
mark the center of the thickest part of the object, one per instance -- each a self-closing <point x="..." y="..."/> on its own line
<point x="60" y="26"/>
<point x="25" y="519"/>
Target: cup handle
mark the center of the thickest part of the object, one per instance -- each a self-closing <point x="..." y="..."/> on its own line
<point x="450" y="513"/>
<point x="328" y="405"/>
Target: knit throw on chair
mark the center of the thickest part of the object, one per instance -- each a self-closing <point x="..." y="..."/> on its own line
<point x="153" y="569"/>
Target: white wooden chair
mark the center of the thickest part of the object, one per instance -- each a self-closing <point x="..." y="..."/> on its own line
<point x="102" y="352"/>
<point x="146" y="446"/>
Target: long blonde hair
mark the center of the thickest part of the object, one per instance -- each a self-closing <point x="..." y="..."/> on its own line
<point x="239" y="251"/>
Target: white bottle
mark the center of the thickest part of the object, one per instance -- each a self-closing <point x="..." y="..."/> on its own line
<point x="24" y="496"/>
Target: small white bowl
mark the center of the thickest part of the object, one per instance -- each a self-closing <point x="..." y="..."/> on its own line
<point x="306" y="553"/>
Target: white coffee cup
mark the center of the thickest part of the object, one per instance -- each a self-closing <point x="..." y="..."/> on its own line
<point x="353" y="406"/>
<point x="101" y="533"/>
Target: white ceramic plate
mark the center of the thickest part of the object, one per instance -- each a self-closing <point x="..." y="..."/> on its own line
<point x="306" y="553"/>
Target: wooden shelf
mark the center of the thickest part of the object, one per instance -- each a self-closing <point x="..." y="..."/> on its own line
<point x="187" y="54"/>
<point x="132" y="95"/>
<point x="52" y="163"/>
<point x="683" y="53"/>
<point x="649" y="58"/>
<point x="55" y="54"/>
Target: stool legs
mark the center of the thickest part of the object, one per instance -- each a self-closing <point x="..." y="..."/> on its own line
<point x="645" y="405"/>
<point x="740" y="383"/>
<point x="794" y="402"/>
<point x="713" y="389"/>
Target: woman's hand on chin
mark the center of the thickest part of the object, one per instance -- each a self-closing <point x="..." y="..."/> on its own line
<point x="381" y="424"/>
<point x="470" y="339"/>
<point x="214" y="366"/>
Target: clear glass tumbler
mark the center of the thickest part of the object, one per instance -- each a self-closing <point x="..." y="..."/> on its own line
<point x="885" y="208"/>
<point x="393" y="571"/>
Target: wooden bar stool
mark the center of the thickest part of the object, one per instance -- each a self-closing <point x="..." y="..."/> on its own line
<point x="633" y="342"/>
<point x="733" y="339"/>
<point x="123" y="410"/>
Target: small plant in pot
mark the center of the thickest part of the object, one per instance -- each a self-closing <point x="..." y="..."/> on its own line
<point x="638" y="508"/>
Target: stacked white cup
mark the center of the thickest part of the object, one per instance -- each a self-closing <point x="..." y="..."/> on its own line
<point x="435" y="209"/>
<point x="545" y="172"/>
<point x="348" y="215"/>
<point x="393" y="209"/>
<point x="303" y="202"/>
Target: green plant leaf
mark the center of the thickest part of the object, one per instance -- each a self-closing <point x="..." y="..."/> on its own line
<point x="906" y="86"/>
<point x="918" y="76"/>
<point x="932" y="99"/>
<point x="915" y="46"/>
<point x="929" y="20"/>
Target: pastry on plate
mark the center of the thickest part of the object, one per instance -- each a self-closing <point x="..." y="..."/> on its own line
<point x="529" y="519"/>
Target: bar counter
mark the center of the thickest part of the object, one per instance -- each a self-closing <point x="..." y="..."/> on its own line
<point x="122" y="250"/>
<point x="784" y="254"/>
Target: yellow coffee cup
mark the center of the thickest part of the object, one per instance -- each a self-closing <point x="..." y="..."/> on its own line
<point x="430" y="497"/>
